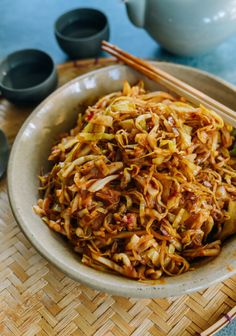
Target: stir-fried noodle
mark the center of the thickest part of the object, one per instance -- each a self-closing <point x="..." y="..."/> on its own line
<point x="143" y="185"/>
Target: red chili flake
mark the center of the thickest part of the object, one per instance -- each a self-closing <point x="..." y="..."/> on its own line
<point x="130" y="218"/>
<point x="90" y="116"/>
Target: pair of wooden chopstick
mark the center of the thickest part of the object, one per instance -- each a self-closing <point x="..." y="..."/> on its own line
<point x="172" y="83"/>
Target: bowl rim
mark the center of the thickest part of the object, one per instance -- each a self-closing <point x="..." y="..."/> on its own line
<point x="81" y="39"/>
<point x="38" y="86"/>
<point x="140" y="291"/>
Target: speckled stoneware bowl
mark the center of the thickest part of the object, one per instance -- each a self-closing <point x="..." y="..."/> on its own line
<point x="29" y="154"/>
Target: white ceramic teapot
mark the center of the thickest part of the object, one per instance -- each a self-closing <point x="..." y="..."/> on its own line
<point x="185" y="27"/>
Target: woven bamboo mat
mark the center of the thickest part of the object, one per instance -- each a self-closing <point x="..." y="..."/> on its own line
<point x="37" y="299"/>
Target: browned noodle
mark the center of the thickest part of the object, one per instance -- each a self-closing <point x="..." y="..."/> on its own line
<point x="143" y="185"/>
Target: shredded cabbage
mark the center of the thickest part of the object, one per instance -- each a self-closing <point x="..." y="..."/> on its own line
<point x="143" y="185"/>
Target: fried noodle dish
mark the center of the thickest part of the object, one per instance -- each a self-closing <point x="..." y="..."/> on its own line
<point x="143" y="186"/>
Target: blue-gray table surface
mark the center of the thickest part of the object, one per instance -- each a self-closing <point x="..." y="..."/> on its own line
<point x="29" y="24"/>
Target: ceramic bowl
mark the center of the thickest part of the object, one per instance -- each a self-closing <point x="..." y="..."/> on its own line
<point x="27" y="76"/>
<point x="29" y="154"/>
<point x="80" y="32"/>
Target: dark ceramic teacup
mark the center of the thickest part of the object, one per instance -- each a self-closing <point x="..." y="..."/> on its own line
<point x="27" y="76"/>
<point x="81" y="31"/>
